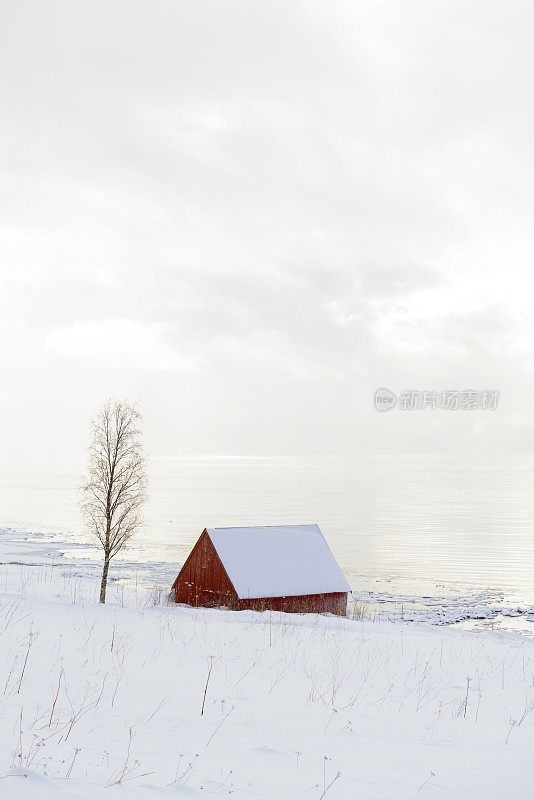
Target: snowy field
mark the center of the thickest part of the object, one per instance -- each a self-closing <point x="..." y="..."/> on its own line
<point x="100" y="702"/>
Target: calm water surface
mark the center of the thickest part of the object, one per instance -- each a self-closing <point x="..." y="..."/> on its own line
<point x="418" y="523"/>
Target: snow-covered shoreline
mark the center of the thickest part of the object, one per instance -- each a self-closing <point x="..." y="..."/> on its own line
<point x="103" y="701"/>
<point x="469" y="607"/>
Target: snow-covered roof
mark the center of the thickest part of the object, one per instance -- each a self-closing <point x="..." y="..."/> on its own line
<point x="278" y="560"/>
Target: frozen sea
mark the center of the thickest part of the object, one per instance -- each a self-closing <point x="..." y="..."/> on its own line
<point x="448" y="540"/>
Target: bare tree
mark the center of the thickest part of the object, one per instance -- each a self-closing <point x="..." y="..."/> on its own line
<point x="114" y="488"/>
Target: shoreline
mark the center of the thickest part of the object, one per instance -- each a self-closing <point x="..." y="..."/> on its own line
<point x="471" y="608"/>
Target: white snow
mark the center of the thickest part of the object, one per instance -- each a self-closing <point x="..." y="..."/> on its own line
<point x="278" y="560"/>
<point x="103" y="702"/>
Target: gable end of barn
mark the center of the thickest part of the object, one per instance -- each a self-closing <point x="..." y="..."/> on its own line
<point x="203" y="580"/>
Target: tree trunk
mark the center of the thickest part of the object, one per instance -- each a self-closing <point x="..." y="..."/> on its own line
<point x="104" y="579"/>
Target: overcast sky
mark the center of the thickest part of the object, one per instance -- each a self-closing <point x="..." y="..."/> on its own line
<point x="247" y="215"/>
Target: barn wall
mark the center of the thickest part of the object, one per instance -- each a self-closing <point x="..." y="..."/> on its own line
<point x="203" y="580"/>
<point x="333" y="603"/>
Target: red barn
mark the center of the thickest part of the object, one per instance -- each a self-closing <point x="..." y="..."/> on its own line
<point x="278" y="567"/>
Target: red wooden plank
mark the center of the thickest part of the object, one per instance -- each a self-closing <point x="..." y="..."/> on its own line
<point x="203" y="580"/>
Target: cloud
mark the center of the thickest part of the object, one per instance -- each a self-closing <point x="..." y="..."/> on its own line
<point x="122" y="342"/>
<point x="398" y="280"/>
<point x="262" y="196"/>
